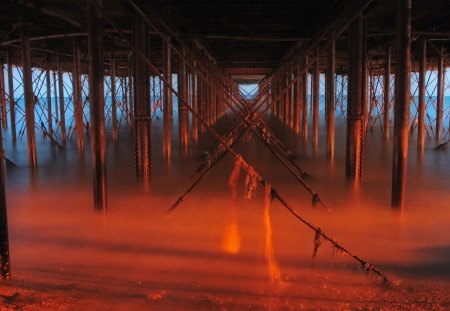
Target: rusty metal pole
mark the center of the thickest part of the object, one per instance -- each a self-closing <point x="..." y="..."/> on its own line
<point x="62" y="104"/>
<point x="55" y="92"/>
<point x="77" y="97"/>
<point x="168" y="106"/>
<point x="200" y="101"/>
<point x="355" y="114"/>
<point x="305" y="102"/>
<point x="365" y="82"/>
<point x="329" y="99"/>
<point x="296" y="102"/>
<point x="194" y="94"/>
<point x="142" y="103"/>
<point x="29" y="98"/>
<point x="112" y="72"/>
<point x="96" y="102"/>
<point x="49" y="101"/>
<point x="440" y="95"/>
<point x="4" y="238"/>
<point x="130" y="90"/>
<point x="12" y="102"/>
<point x="387" y="91"/>
<point x="402" y="103"/>
<point x="3" y="97"/>
<point x="422" y="90"/>
<point x="315" y="103"/>
<point x="183" y="112"/>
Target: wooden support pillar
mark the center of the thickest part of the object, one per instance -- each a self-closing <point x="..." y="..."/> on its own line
<point x="387" y="91"/>
<point x="12" y="101"/>
<point x="142" y="103"/>
<point x="62" y="104"/>
<point x="29" y="98"/>
<point x="183" y="112"/>
<point x="5" y="265"/>
<point x="49" y="101"/>
<point x="355" y="114"/>
<point x="422" y="90"/>
<point x="329" y="98"/>
<point x="3" y="98"/>
<point x="96" y="101"/>
<point x="112" y="71"/>
<point x="316" y="98"/>
<point x="402" y="102"/>
<point x="77" y="97"/>
<point x="305" y="102"/>
<point x="440" y="95"/>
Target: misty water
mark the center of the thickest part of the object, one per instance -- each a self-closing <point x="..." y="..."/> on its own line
<point x="133" y="253"/>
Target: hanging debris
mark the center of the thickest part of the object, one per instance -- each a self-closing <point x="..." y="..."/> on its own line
<point x="274" y="270"/>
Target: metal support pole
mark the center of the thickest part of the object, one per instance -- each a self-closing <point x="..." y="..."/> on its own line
<point x="168" y="106"/>
<point x="440" y="96"/>
<point x="315" y="103"/>
<point x="142" y="104"/>
<point x="131" y="90"/>
<point x="194" y="93"/>
<point x="305" y="102"/>
<point x="355" y="114"/>
<point x="387" y="91"/>
<point x="365" y="81"/>
<point x="4" y="239"/>
<point x="296" y="101"/>
<point x="29" y="98"/>
<point x="49" y="101"/>
<point x="96" y="102"/>
<point x="12" y="102"/>
<point x="115" y="127"/>
<point x="62" y="104"/>
<point x="402" y="102"/>
<point x="422" y="90"/>
<point x="77" y="97"/>
<point x="183" y="112"/>
<point x="55" y="92"/>
<point x="330" y="95"/>
<point x="3" y="97"/>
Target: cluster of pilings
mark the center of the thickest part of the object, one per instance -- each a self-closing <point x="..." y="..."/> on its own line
<point x="138" y="84"/>
<point x="370" y="98"/>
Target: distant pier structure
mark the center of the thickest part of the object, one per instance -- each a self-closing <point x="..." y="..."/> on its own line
<point x="90" y="67"/>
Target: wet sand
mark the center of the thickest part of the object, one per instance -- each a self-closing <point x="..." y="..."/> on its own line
<point x="66" y="256"/>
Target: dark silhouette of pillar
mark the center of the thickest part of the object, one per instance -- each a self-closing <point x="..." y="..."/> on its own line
<point x="422" y="90"/>
<point x="329" y="98"/>
<point x="355" y="113"/>
<point x="29" y="98"/>
<point x="316" y="98"/>
<point x="4" y="239"/>
<point x="77" y="97"/>
<point x="96" y="101"/>
<point x="142" y="103"/>
<point x="183" y="112"/>
<point x="62" y="104"/>
<point x="49" y="101"/>
<point x="387" y="91"/>
<point x="402" y="102"/>
<point x="12" y="102"/>
<point x="3" y="97"/>
<point x="305" y="102"/>
<point x="112" y="71"/>
<point x="440" y="95"/>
